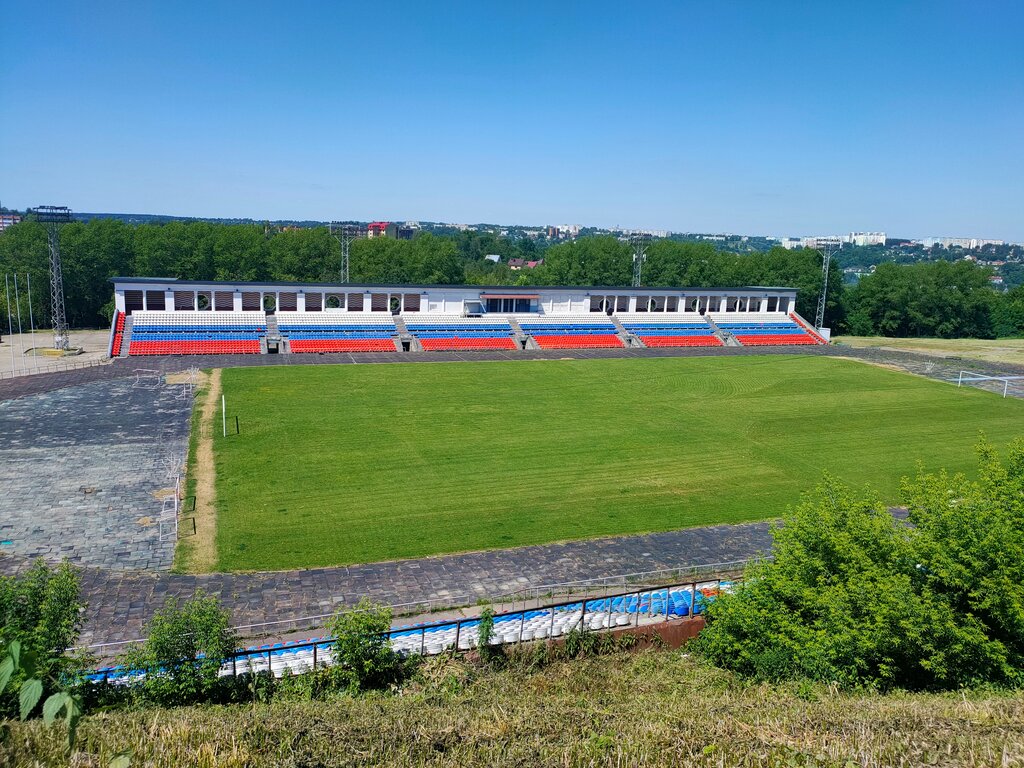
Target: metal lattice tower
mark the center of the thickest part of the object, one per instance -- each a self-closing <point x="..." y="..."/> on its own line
<point x="52" y="216"/>
<point x="826" y="260"/>
<point x="639" y="243"/>
<point x="345" y="233"/>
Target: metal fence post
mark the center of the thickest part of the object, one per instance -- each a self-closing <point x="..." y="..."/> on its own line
<point x="423" y="641"/>
<point x="458" y="632"/>
<point x="314" y="656"/>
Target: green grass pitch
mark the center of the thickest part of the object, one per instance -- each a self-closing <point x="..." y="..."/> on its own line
<point x="359" y="463"/>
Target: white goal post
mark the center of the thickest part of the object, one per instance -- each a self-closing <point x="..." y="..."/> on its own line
<point x="972" y="376"/>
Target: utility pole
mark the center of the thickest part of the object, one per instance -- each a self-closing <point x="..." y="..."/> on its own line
<point x="826" y="260"/>
<point x="53" y="216"/>
<point x="639" y="241"/>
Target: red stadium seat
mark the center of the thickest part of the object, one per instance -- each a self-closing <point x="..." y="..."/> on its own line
<point x="772" y="340"/>
<point x="577" y="341"/>
<point x="808" y="329"/>
<point x="432" y="345"/>
<point x="681" y="341"/>
<point x="341" y="345"/>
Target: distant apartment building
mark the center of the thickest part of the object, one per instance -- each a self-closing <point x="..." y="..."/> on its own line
<point x="967" y="243"/>
<point x="8" y="220"/>
<point x="867" y="238"/>
<point x="834" y="241"/>
<point x="381" y="229"/>
<point x="517" y="264"/>
<point x="389" y="229"/>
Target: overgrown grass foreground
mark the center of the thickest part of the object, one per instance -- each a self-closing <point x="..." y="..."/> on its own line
<point x="644" y="708"/>
<point x="358" y="463"/>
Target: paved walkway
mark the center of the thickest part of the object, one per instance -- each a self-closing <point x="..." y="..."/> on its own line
<point x="120" y="602"/>
<point x="82" y="469"/>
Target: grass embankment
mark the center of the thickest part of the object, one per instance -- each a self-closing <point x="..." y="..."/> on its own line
<point x="350" y="464"/>
<point x="647" y="708"/>
<point x="982" y="350"/>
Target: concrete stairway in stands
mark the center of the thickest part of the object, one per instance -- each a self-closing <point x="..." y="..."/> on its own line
<point x="628" y="339"/>
<point x="272" y="333"/>
<point x="126" y="337"/>
<point x="521" y="335"/>
<point x="405" y="337"/>
<point x="724" y="336"/>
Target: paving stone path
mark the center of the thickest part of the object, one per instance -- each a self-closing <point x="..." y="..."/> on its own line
<point x="80" y="470"/>
<point x="120" y="602"/>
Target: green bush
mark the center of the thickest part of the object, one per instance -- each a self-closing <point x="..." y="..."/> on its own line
<point x="184" y="650"/>
<point x="41" y="612"/>
<point x="363" y="658"/>
<point x="856" y="597"/>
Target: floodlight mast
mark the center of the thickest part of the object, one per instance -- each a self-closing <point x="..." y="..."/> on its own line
<point x="52" y="217"/>
<point x="346" y="233"/>
<point x="826" y="260"/>
<point x="639" y="242"/>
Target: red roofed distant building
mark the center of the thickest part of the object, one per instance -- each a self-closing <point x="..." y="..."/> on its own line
<point x="8" y="220"/>
<point x="381" y="229"/>
<point x="517" y="264"/>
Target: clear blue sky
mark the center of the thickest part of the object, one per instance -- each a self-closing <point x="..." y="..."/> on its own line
<point x="758" y="117"/>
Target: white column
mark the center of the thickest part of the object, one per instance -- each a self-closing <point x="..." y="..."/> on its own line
<point x="300" y="302"/>
<point x="236" y="301"/>
<point x="169" y="301"/>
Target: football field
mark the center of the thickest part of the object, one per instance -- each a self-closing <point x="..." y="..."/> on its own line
<point x="358" y="463"/>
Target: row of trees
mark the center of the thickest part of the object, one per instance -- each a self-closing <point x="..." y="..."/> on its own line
<point x="943" y="299"/>
<point x="940" y="298"/>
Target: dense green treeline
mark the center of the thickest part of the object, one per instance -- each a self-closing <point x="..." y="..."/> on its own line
<point x="941" y="299"/>
<point x="926" y="299"/>
<point x="94" y="252"/>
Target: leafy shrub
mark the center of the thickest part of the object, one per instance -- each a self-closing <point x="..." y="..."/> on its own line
<point x="856" y="597"/>
<point x="183" y="652"/>
<point x="64" y="703"/>
<point x="485" y="633"/>
<point x="363" y="658"/>
<point x="41" y="612"/>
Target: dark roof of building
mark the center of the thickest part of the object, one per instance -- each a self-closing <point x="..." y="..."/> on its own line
<point x="170" y="281"/>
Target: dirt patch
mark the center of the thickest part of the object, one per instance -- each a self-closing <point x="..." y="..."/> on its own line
<point x="185" y="377"/>
<point x="203" y="545"/>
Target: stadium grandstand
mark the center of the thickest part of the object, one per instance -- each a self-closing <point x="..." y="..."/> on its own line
<point x="162" y="316"/>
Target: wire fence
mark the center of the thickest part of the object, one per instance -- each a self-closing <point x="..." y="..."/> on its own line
<point x="30" y="370"/>
<point x="619" y="610"/>
<point x="526" y="598"/>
